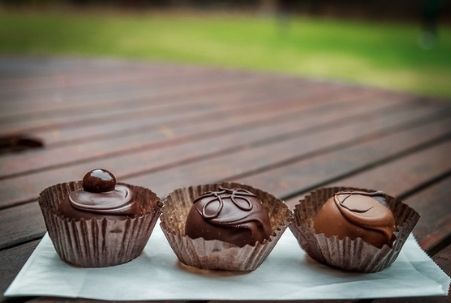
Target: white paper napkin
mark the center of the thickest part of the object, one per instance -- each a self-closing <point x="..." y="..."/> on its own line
<point x="286" y="274"/>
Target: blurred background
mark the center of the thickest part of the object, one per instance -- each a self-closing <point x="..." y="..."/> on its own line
<point x="397" y="44"/>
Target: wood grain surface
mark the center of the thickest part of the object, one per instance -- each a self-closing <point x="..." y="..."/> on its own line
<point x="165" y="126"/>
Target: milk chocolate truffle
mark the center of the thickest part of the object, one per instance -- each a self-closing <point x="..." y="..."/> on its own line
<point x="230" y="215"/>
<point x="356" y="214"/>
<point x="100" y="197"/>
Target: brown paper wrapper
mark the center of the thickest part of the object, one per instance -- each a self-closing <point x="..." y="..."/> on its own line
<point x="98" y="242"/>
<point x="216" y="254"/>
<point x="349" y="254"/>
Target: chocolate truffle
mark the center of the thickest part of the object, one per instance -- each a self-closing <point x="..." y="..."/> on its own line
<point x="231" y="215"/>
<point x="356" y="214"/>
<point x="100" y="197"/>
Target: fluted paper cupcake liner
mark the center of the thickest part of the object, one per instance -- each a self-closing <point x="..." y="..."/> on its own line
<point x="98" y="242"/>
<point x="216" y="254"/>
<point x="349" y="254"/>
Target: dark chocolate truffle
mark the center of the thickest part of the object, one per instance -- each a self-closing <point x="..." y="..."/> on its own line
<point x="356" y="214"/>
<point x="100" y="197"/>
<point x="231" y="215"/>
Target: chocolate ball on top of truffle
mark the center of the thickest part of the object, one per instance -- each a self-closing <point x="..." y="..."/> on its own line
<point x="230" y="215"/>
<point x="99" y="181"/>
<point x="100" y="197"/>
<point x="356" y="214"/>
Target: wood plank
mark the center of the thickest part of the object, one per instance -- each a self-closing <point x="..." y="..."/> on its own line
<point x="96" y="77"/>
<point x="211" y="169"/>
<point x="36" y="111"/>
<point x="58" y="99"/>
<point x="400" y="176"/>
<point x="171" y="99"/>
<point x="14" y="70"/>
<point x="24" y="188"/>
<point x="138" y="96"/>
<point x="100" y="114"/>
<point x="305" y="174"/>
<point x="433" y="204"/>
<point x="11" y="261"/>
<point x="58" y="72"/>
<point x="173" y="130"/>
<point x="116" y="128"/>
<point x="21" y="225"/>
<point x="167" y="77"/>
<point x="26" y="67"/>
<point x="116" y="96"/>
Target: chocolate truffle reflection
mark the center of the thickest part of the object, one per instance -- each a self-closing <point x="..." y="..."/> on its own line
<point x="231" y="215"/>
<point x="100" y="197"/>
<point x="356" y="214"/>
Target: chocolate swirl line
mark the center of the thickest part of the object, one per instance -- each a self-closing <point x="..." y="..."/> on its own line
<point x="350" y="193"/>
<point x="224" y="193"/>
<point x="117" y="201"/>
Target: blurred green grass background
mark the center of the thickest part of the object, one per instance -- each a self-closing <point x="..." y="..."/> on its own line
<point x="379" y="54"/>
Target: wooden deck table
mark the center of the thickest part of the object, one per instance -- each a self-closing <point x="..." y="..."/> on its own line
<point x="165" y="125"/>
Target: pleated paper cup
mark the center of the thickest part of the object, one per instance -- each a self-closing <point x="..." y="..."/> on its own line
<point x="349" y="254"/>
<point x="98" y="242"/>
<point x="216" y="254"/>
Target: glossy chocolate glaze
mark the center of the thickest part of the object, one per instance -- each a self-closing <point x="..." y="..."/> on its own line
<point x="231" y="215"/>
<point x="100" y="196"/>
<point x="357" y="214"/>
<point x="118" y="201"/>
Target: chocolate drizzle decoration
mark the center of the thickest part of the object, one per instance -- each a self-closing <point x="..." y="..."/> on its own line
<point x="233" y="215"/>
<point x="350" y="193"/>
<point x="234" y="195"/>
